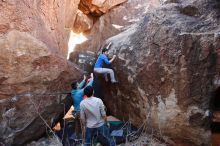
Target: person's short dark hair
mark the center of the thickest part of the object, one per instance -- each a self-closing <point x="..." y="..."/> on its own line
<point x="88" y="91"/>
<point x="104" y="50"/>
<point x="74" y="85"/>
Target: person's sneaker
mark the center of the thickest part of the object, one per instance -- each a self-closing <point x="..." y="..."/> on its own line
<point x="114" y="82"/>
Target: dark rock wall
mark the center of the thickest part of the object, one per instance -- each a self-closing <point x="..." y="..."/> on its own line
<point x="167" y="67"/>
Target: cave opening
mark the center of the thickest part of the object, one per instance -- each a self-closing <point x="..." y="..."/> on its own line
<point x="215" y="124"/>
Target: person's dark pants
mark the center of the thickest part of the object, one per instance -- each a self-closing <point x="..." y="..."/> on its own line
<point x="103" y="130"/>
<point x="77" y="124"/>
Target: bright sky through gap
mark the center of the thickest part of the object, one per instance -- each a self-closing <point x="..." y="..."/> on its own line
<point x="74" y="40"/>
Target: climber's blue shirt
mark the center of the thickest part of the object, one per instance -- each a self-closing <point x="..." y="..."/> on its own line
<point x="101" y="60"/>
<point x="77" y="94"/>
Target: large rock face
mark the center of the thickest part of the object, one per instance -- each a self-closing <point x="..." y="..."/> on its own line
<point x="34" y="72"/>
<point x="167" y="69"/>
<point x="33" y="82"/>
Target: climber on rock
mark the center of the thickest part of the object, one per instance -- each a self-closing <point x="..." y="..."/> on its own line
<point x="77" y="94"/>
<point x="102" y="59"/>
<point x="93" y="117"/>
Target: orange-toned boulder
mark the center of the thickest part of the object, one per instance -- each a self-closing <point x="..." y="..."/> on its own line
<point x="82" y="23"/>
<point x="106" y="5"/>
<point x="34" y="82"/>
<point x="45" y="20"/>
<point x="98" y="7"/>
<point x="27" y="61"/>
<point x="70" y="12"/>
